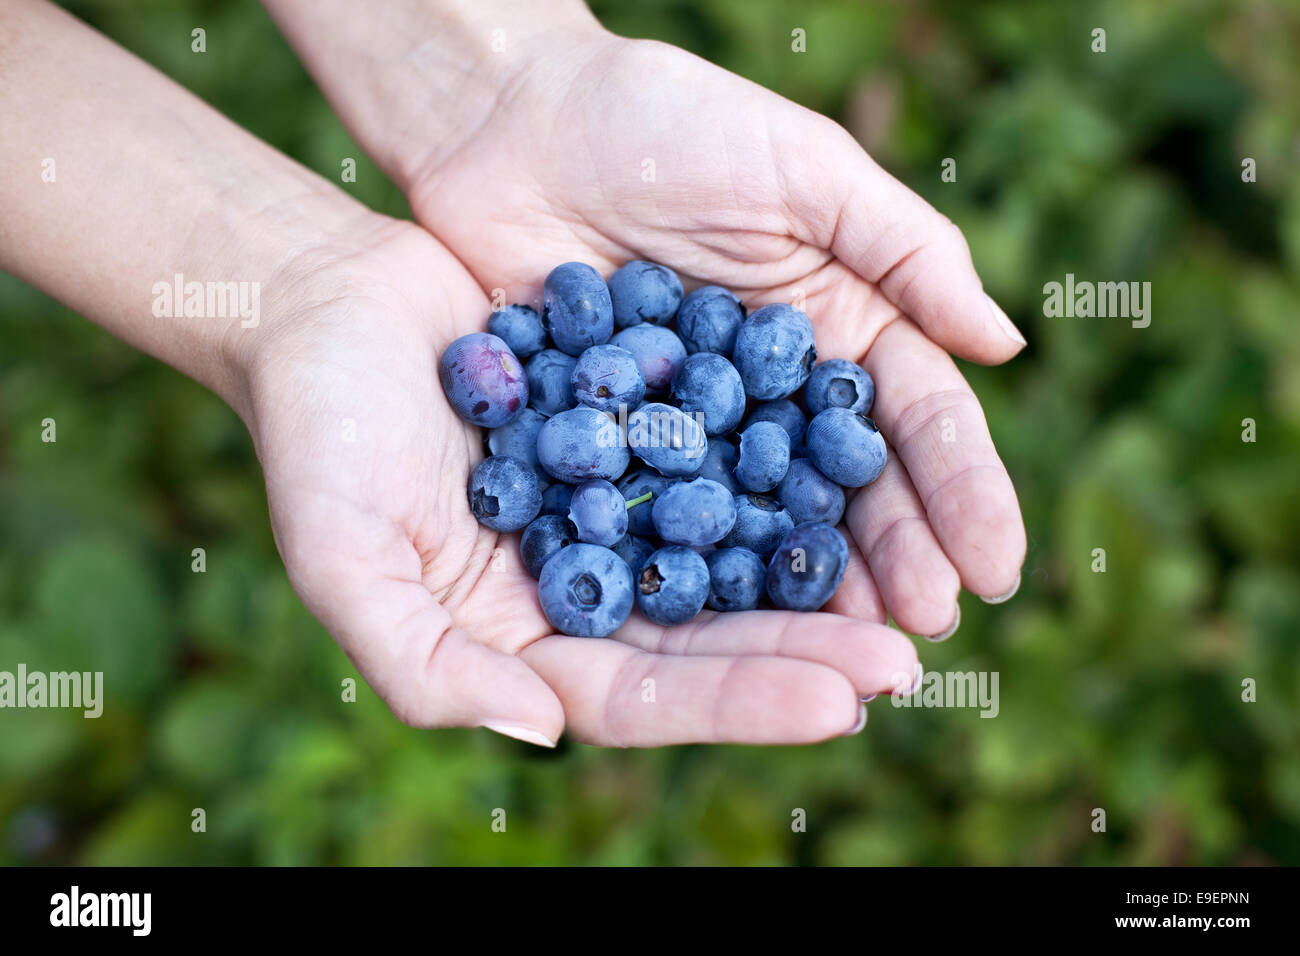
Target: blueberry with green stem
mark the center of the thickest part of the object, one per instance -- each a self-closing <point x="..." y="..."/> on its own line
<point x="598" y="512"/>
<point x="634" y="486"/>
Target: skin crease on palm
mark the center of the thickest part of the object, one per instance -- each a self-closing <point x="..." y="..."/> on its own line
<point x="365" y="462"/>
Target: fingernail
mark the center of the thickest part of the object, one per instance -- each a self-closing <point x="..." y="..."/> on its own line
<point x="952" y="629"/>
<point x="862" y="722"/>
<point x="519" y="732"/>
<point x="917" y="677"/>
<point x="867" y="700"/>
<point x="1004" y="323"/>
<point x="1004" y="598"/>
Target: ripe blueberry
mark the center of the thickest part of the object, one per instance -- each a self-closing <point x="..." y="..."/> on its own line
<point x="807" y="567"/>
<point x="774" y="351"/>
<point x="503" y="493"/>
<point x="672" y="586"/>
<point x="846" y="447"/>
<point x="483" y="380"/>
<point x="578" y="312"/>
<point x="644" y="292"/>
<point x="585" y="591"/>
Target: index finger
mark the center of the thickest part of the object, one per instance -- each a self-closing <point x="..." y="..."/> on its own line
<point x="933" y="421"/>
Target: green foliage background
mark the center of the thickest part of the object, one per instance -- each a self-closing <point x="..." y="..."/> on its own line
<point x="1119" y="690"/>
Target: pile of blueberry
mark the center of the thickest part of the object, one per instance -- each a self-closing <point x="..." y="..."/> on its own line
<point x="670" y="467"/>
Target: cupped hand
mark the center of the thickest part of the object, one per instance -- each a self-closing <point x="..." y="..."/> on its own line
<point x="366" y="467"/>
<point x="606" y="149"/>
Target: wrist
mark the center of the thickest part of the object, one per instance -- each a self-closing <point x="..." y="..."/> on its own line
<point x="275" y="258"/>
<point x="416" y="79"/>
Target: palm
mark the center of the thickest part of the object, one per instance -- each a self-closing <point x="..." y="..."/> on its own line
<point x="366" y="450"/>
<point x="366" y="466"/>
<point x="622" y="150"/>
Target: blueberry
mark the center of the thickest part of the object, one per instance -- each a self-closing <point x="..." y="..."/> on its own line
<point x="586" y="591"/>
<point x="709" y="319"/>
<point x="550" y="379"/>
<point x="607" y="377"/>
<point x="546" y="535"/>
<point x="503" y="493"/>
<point x="556" y="498"/>
<point x="807" y="567"/>
<point x="839" y="383"/>
<point x="672" y="586"/>
<point x="764" y="456"/>
<point x="644" y="292"/>
<point x="667" y="439"/>
<point x="709" y="384"/>
<point x="786" y="414"/>
<point x="761" y="524"/>
<point x="774" y="351"/>
<point x="599" y="512"/>
<point x="846" y="447"/>
<point x="659" y="353"/>
<point x="696" y="513"/>
<point x="809" y="495"/>
<point x="634" y="551"/>
<point x="736" y="579"/>
<point x="518" y="439"/>
<point x="483" y="380"/>
<point x="636" y="484"/>
<point x="578" y="312"/>
<point x="520" y="327"/>
<point x="582" y="443"/>
<point x="720" y="464"/>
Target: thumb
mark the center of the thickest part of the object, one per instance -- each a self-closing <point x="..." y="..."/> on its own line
<point x="894" y="239"/>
